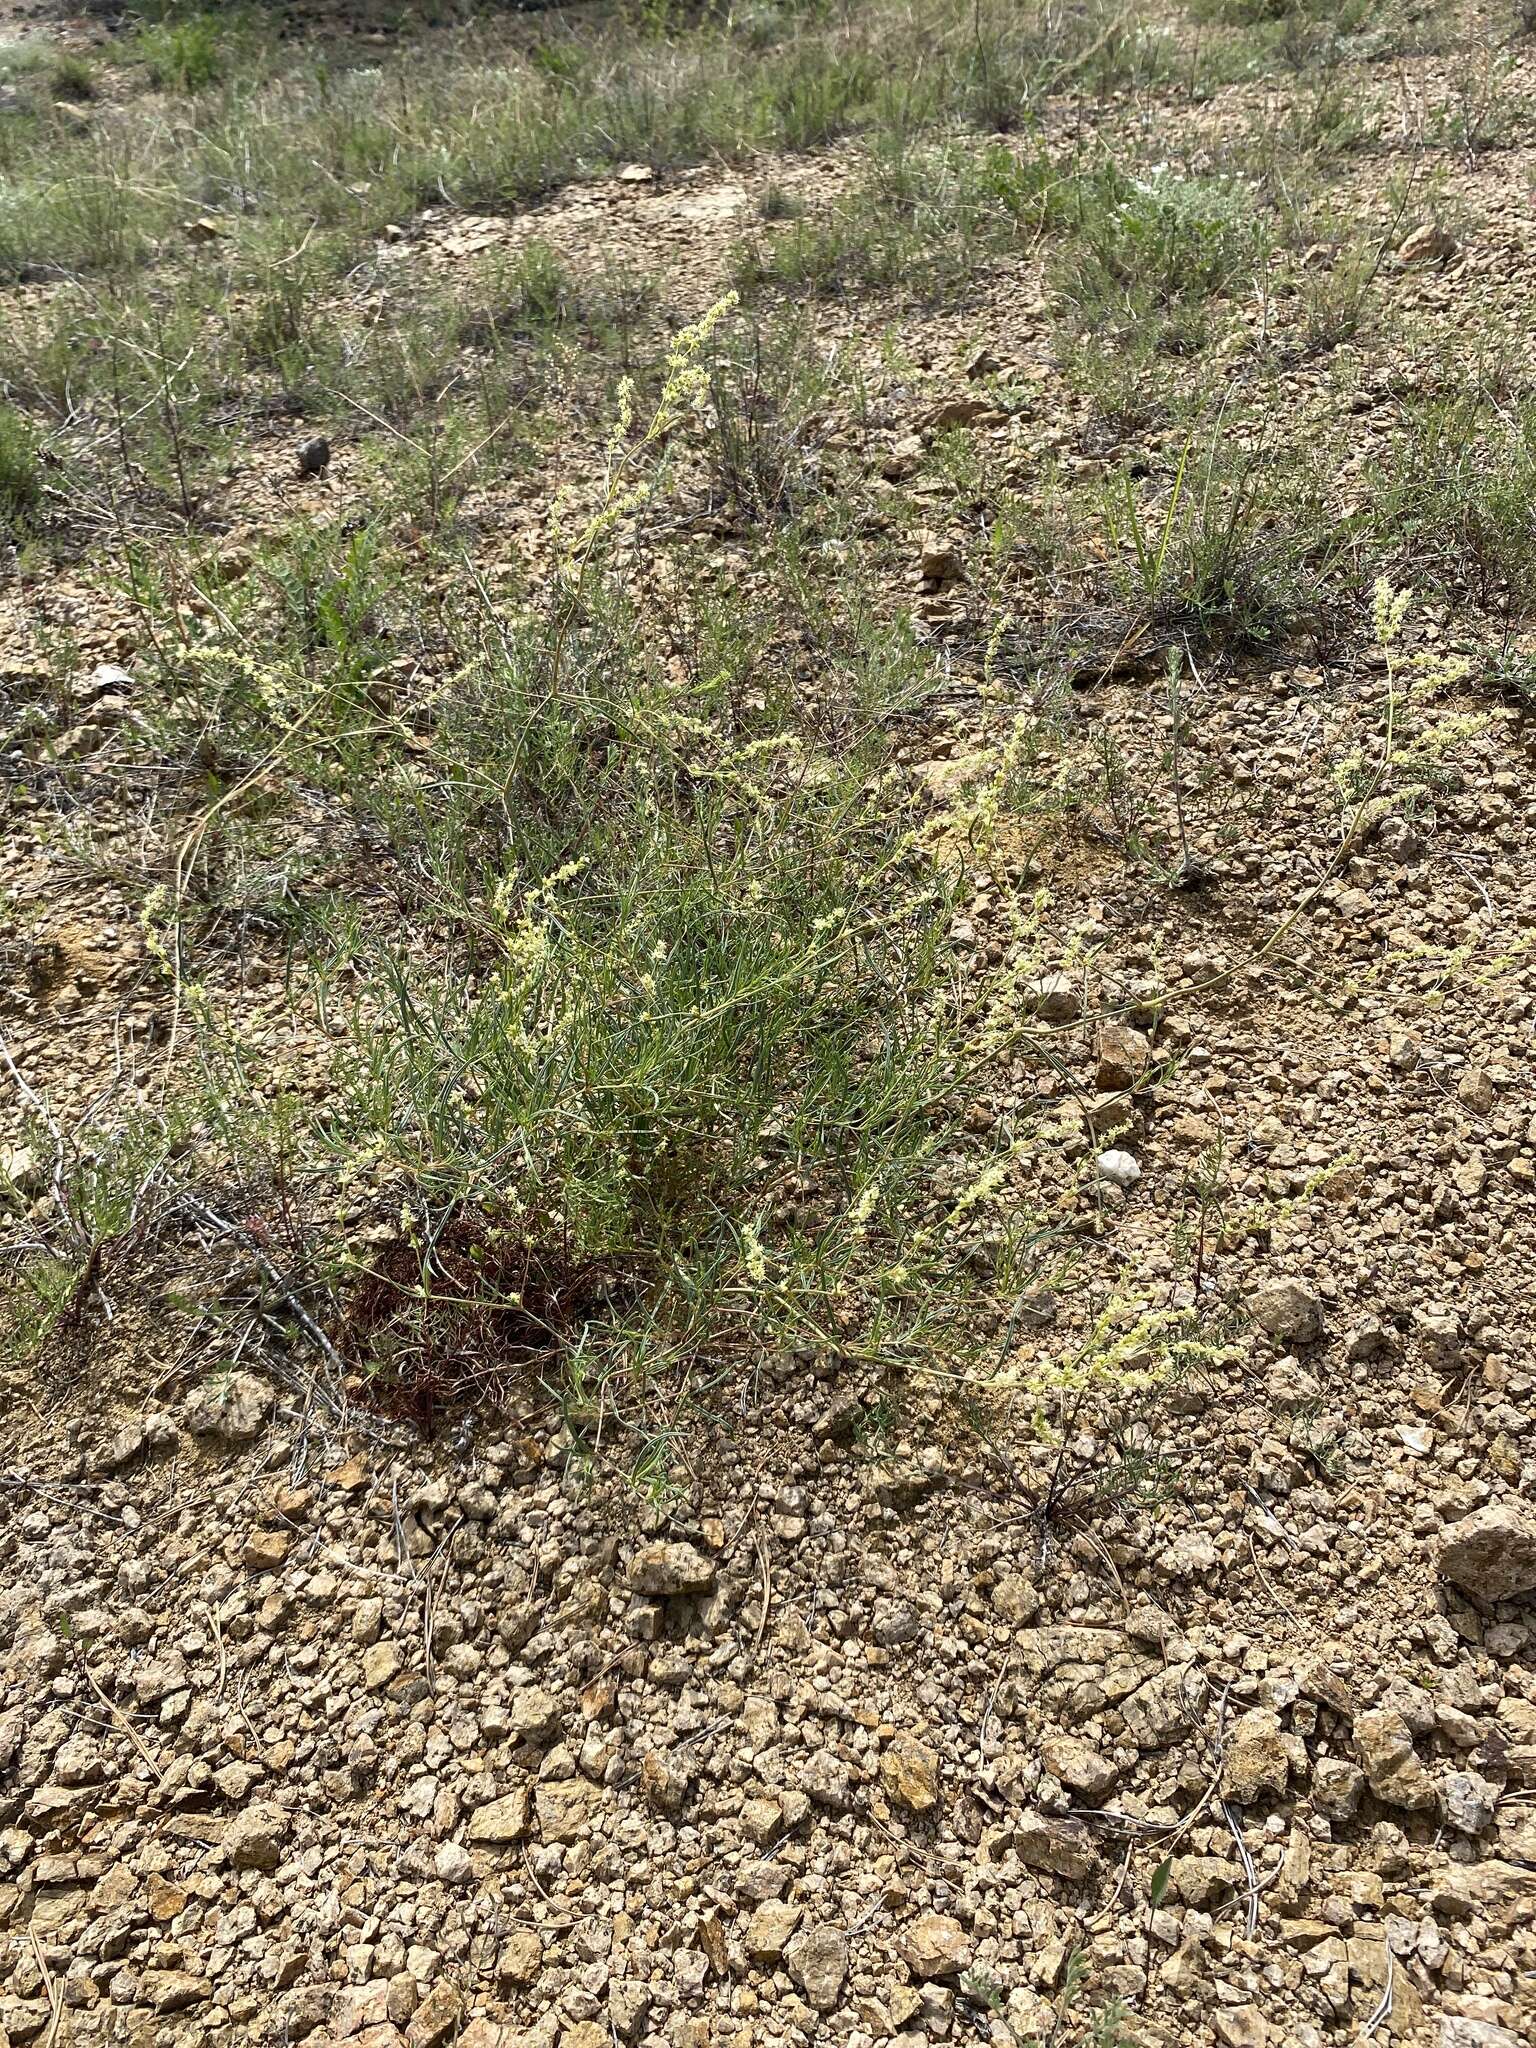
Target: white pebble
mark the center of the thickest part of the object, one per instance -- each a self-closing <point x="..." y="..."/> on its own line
<point x="1120" y="1168"/>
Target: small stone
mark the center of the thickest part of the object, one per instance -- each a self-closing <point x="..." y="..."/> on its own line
<point x="1393" y="1768"/>
<point x="1337" y="1786"/>
<point x="501" y="1821"/>
<point x="1426" y="245"/>
<point x="453" y="1864"/>
<point x="232" y="1408"/>
<point x="1120" y="1169"/>
<point x="664" y="1569"/>
<point x="1077" y="1766"/>
<point x="1063" y="1847"/>
<point x="1287" y="1309"/>
<point x="1240" y="2026"/>
<point x="1470" y="1801"/>
<point x="1491" y="1553"/>
<point x="909" y="1771"/>
<point x="437" y="2017"/>
<point x="769" y="1930"/>
<point x="818" y="1962"/>
<point x="1257" y="1761"/>
<point x="936" y="1946"/>
<point x="254" y="1838"/>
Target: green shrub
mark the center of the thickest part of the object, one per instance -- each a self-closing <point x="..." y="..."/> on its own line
<point x="185" y="54"/>
<point x="1147" y="253"/>
<point x="921" y="218"/>
<point x="1459" y="501"/>
<point x="21" y="478"/>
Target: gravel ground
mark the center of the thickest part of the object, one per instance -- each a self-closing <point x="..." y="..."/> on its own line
<point x="313" y="1732"/>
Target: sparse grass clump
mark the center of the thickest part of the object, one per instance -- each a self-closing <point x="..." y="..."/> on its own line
<point x="920" y="219"/>
<point x="186" y="52"/>
<point x="663" y="1034"/>
<point x="71" y="77"/>
<point x="1237" y="552"/>
<point x="1459" y="501"/>
<point x="1146" y="254"/>
<point x="21" y="479"/>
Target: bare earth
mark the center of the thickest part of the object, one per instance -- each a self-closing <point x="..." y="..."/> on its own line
<point x="312" y="1730"/>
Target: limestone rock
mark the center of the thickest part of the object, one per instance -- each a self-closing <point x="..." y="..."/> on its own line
<point x="818" y="1962"/>
<point x="1491" y="1553"/>
<point x="1258" y="1759"/>
<point x="664" y="1569"/>
<point x="1063" y="1847"/>
<point x="936" y="1946"/>
<point x="231" y="1408"/>
<point x="501" y="1820"/>
<point x="1287" y="1309"/>
<point x="909" y="1771"/>
<point x="1393" y="1768"/>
